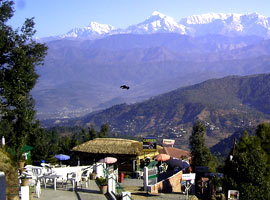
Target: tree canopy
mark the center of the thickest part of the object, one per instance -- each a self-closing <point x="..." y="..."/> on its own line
<point x="19" y="56"/>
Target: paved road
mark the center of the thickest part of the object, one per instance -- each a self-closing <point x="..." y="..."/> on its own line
<point x="135" y="186"/>
<point x="92" y="192"/>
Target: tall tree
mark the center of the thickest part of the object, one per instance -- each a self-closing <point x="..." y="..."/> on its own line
<point x="248" y="170"/>
<point x="201" y="155"/>
<point x="19" y="55"/>
<point x="104" y="129"/>
<point x="65" y="145"/>
<point x="92" y="132"/>
<point x="263" y="133"/>
<point x="83" y="136"/>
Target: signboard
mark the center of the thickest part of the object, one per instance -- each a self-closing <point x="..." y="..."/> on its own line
<point x="168" y="142"/>
<point x="152" y="175"/>
<point x="188" y="177"/>
<point x="150" y="144"/>
<point x="188" y="180"/>
<point x="233" y="195"/>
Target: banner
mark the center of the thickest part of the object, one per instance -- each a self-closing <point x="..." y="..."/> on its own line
<point x="168" y="142"/>
<point x="150" y="144"/>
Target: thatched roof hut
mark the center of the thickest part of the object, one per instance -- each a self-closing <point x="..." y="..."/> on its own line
<point x="111" y="146"/>
<point x="128" y="152"/>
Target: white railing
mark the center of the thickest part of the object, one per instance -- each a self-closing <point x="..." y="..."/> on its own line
<point x="126" y="196"/>
<point x="112" y="185"/>
<point x="112" y="182"/>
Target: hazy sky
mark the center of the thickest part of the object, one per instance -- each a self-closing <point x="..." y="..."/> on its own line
<point x="55" y="17"/>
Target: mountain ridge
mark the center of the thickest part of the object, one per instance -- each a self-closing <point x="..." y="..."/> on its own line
<point x="230" y="24"/>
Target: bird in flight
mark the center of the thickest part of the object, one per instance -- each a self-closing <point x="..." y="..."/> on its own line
<point x="124" y="87"/>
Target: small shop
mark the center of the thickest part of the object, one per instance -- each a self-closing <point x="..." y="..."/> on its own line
<point x="129" y="153"/>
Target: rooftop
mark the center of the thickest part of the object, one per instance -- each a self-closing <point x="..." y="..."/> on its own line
<point x="175" y="152"/>
<point x="111" y="146"/>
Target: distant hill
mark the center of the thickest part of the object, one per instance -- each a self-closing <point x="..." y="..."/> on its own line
<point x="224" y="146"/>
<point x="84" y="76"/>
<point x="224" y="105"/>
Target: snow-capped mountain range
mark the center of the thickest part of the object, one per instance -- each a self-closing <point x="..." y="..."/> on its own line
<point x="228" y="24"/>
<point x="94" y="30"/>
<point x="196" y="25"/>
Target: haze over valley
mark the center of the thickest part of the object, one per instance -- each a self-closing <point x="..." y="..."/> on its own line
<point x="83" y="74"/>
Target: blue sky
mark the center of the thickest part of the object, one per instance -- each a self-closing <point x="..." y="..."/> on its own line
<point x="55" y="17"/>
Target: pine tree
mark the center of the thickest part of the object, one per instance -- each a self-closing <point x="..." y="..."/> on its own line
<point x="92" y="132"/>
<point x="104" y="129"/>
<point x="201" y="155"/>
<point x="83" y="136"/>
<point x="248" y="170"/>
<point x="263" y="133"/>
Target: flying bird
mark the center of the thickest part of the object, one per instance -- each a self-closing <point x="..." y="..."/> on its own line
<point x="124" y="87"/>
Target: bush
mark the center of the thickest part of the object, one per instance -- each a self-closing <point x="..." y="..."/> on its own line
<point x="102" y="181"/>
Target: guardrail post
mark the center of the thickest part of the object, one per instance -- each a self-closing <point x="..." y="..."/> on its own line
<point x="2" y="185"/>
<point x="145" y="178"/>
<point x="24" y="192"/>
<point x="100" y="169"/>
<point x="111" y="183"/>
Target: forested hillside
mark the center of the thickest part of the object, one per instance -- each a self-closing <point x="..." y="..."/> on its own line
<point x="223" y="105"/>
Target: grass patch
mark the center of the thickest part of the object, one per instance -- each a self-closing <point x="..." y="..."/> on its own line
<point x="9" y="168"/>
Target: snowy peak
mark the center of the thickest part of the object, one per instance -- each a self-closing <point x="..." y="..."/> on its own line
<point x="92" y="31"/>
<point x="156" y="16"/>
<point x="156" y="13"/>
<point x="157" y="23"/>
<point x="99" y="28"/>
